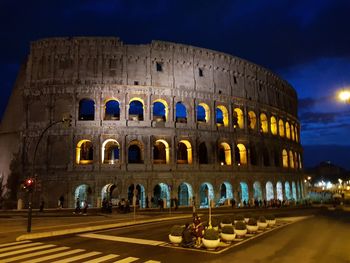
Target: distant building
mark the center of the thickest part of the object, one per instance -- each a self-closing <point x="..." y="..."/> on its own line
<point x="327" y="171"/>
<point x="166" y="119"/>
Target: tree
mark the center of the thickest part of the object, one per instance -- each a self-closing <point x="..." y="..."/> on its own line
<point x="12" y="184"/>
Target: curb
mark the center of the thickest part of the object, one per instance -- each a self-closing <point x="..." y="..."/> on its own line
<point x="93" y="228"/>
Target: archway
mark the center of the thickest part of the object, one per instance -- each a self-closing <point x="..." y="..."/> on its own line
<point x="269" y="191"/>
<point x="294" y="191"/>
<point x="226" y="193"/>
<point x="161" y="192"/>
<point x="221" y="116"/>
<point x="202" y="153"/>
<point x="161" y="152"/>
<point x="160" y="110"/>
<point x="135" y="152"/>
<point x="205" y="190"/>
<point x="287" y="190"/>
<point x="279" y="190"/>
<point x="285" y="158"/>
<point x="238" y="118"/>
<point x="273" y="125"/>
<point x="281" y="127"/>
<point x="244" y="192"/>
<point x="112" y="110"/>
<point x="84" y="152"/>
<point x="263" y="123"/>
<point x="136" y="109"/>
<point x="241" y="155"/>
<point x="203" y="113"/>
<point x="184" y="152"/>
<point x="185" y="194"/>
<point x="257" y="191"/>
<point x="139" y="193"/>
<point x="110" y="192"/>
<point x="86" y="110"/>
<point x="224" y="154"/>
<point x="83" y="192"/>
<point x="287" y="130"/>
<point x="251" y="120"/>
<point x="110" y="151"/>
<point x="181" y="112"/>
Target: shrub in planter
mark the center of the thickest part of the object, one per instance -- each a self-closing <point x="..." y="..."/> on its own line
<point x="215" y="223"/>
<point x="227" y="234"/>
<point x="211" y="234"/>
<point x="238" y="218"/>
<point x="262" y="223"/>
<point x="262" y="219"/>
<point x="227" y="230"/>
<point x="270" y="219"/>
<point x="176" y="230"/>
<point x="226" y="221"/>
<point x="252" y="222"/>
<point x="252" y="225"/>
<point x="240" y="229"/>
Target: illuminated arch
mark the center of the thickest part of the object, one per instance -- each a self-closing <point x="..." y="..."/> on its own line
<point x="111" y="109"/>
<point x="292" y="132"/>
<point x="206" y="189"/>
<point x="287" y="130"/>
<point x="86" y="110"/>
<point x="300" y="162"/>
<point x="251" y="120"/>
<point x="244" y="192"/>
<point x="281" y="127"/>
<point x="257" y="191"/>
<point x="287" y="190"/>
<point x="242" y="154"/>
<point x="285" y="158"/>
<point x="161" y="192"/>
<point x="83" y="193"/>
<point x="224" y="112"/>
<point x="203" y="112"/>
<point x="264" y="127"/>
<point x="136" y="109"/>
<point x="269" y="191"/>
<point x="139" y="193"/>
<point x="84" y="152"/>
<point x="294" y="190"/>
<point x="291" y="159"/>
<point x="185" y="194"/>
<point x="273" y="125"/>
<point x="184" y="152"/>
<point x="238" y="118"/>
<point x="226" y="193"/>
<point x="110" y="151"/>
<point x="279" y="190"/>
<point x="296" y="133"/>
<point x="225" y="154"/>
<point x="161" y="152"/>
<point x="164" y="111"/>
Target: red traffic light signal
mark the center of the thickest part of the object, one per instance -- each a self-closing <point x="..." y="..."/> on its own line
<point x="28" y="183"/>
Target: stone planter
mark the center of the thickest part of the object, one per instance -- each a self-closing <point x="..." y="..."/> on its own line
<point x="252" y="229"/>
<point x="175" y="240"/>
<point x="240" y="233"/>
<point x="211" y="244"/>
<point x="271" y="222"/>
<point x="262" y="225"/>
<point x="228" y="237"/>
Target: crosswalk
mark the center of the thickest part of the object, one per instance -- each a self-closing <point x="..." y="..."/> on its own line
<point x="32" y="252"/>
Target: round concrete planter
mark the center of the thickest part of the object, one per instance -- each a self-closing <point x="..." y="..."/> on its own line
<point x="262" y="225"/>
<point x="271" y="222"/>
<point x="228" y="237"/>
<point x="252" y="229"/>
<point x="211" y="244"/>
<point x="240" y="233"/>
<point x="175" y="240"/>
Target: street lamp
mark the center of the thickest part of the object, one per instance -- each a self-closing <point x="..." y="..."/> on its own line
<point x="344" y="96"/>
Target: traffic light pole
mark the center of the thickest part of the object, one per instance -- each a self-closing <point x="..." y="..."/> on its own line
<point x="29" y="225"/>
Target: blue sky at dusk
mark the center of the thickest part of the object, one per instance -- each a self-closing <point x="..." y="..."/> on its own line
<point x="306" y="42"/>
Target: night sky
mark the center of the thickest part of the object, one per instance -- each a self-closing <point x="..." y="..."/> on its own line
<point x="306" y="42"/>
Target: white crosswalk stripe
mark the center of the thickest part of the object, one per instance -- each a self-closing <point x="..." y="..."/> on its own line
<point x="33" y="252"/>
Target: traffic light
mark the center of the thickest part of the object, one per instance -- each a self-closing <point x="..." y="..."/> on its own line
<point x="28" y="184"/>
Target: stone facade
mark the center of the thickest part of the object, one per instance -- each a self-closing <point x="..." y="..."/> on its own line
<point x="171" y="119"/>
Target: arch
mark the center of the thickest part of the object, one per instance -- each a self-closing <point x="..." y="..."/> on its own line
<point x="136" y="109"/>
<point x="244" y="192"/>
<point x="285" y="158"/>
<point x="135" y="153"/>
<point x="294" y="191"/>
<point x="203" y="113"/>
<point x="84" y="152"/>
<point x="279" y="191"/>
<point x="112" y="110"/>
<point x="287" y="130"/>
<point x="298" y="190"/>
<point x="269" y="191"/>
<point x="83" y="192"/>
<point x="281" y="128"/>
<point x="184" y="152"/>
<point x="291" y="159"/>
<point x="107" y="193"/>
<point x="160" y="192"/>
<point x="253" y="155"/>
<point x="251" y="120"/>
<point x="110" y="151"/>
<point x="161" y="152"/>
<point x="276" y="156"/>
<point x="226" y="193"/>
<point x="86" y="110"/>
<point x="238" y="118"/>
<point x="296" y="163"/>
<point x="225" y="154"/>
<point x="300" y="162"/>
<point x="292" y="132"/>
<point x="185" y="194"/>
<point x="139" y="193"/>
<point x="257" y="191"/>
<point x="206" y="189"/>
<point x="202" y="153"/>
<point x="296" y="133"/>
<point x="287" y="190"/>
<point x="160" y="110"/>
<point x="273" y="125"/>
<point x="266" y="156"/>
<point x="221" y="116"/>
<point x="264" y="127"/>
<point x="180" y="112"/>
<point x="242" y="153"/>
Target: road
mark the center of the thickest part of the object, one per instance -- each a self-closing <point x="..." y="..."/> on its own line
<point x="322" y="238"/>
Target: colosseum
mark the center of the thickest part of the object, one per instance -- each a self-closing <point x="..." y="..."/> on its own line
<point x="158" y="121"/>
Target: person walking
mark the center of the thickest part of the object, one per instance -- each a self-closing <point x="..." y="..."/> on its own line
<point x="77" y="207"/>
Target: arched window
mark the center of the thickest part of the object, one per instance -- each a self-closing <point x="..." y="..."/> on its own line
<point x="292" y="132"/>
<point x="225" y="154"/>
<point x="242" y="154"/>
<point x="296" y="133"/>
<point x="160" y="110"/>
<point x="161" y="152"/>
<point x="135" y="152"/>
<point x="136" y="109"/>
<point x="251" y="120"/>
<point x="84" y="152"/>
<point x="203" y="113"/>
<point x="263" y="123"/>
<point x="221" y="116"/>
<point x="110" y="151"/>
<point x="238" y="118"/>
<point x="281" y="127"/>
<point x="287" y="130"/>
<point x="86" y="110"/>
<point x="112" y="110"/>
<point x="202" y="153"/>
<point x="273" y="125"/>
<point x="184" y="152"/>
<point x="285" y="158"/>
<point x="181" y="112"/>
<point x="291" y="159"/>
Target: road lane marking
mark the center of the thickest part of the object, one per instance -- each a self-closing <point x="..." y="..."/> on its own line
<point x="152" y="261"/>
<point x="101" y="259"/>
<point x="19" y="246"/>
<point x="126" y="260"/>
<point x="59" y="255"/>
<point x="40" y="253"/>
<point x="14" y="243"/>
<point x="124" y="239"/>
<point x="24" y="250"/>
<point x="76" y="258"/>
